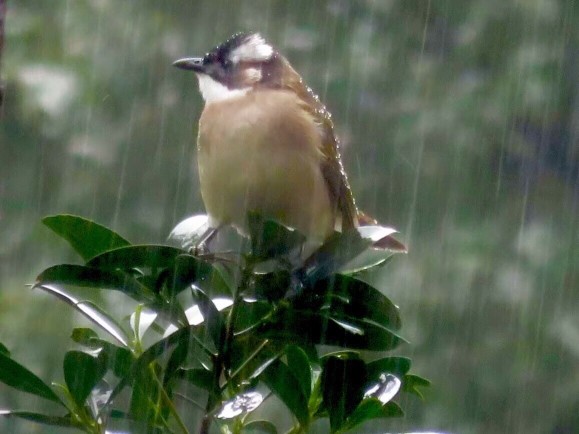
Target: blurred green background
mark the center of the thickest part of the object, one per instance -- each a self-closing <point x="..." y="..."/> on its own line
<point x="459" y="123"/>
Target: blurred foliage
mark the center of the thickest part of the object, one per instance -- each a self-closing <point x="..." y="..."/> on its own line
<point x="459" y="122"/>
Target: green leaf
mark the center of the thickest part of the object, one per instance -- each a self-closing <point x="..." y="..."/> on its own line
<point x="188" y="269"/>
<point x="283" y="383"/>
<point x="86" y="237"/>
<point x="250" y="314"/>
<point x="342" y="388"/>
<point x="118" y="359"/>
<point x="90" y="277"/>
<point x="368" y="259"/>
<point x="249" y="355"/>
<point x="145" y="397"/>
<point x="141" y="320"/>
<point x="17" y="376"/>
<point x="128" y="257"/>
<point x="299" y="364"/>
<point x="80" y="275"/>
<point x="270" y="239"/>
<point x="345" y="296"/>
<point x="411" y="384"/>
<point x="199" y="377"/>
<point x="158" y="349"/>
<point x="82" y="372"/>
<point x="92" y="312"/>
<point x="336" y="252"/>
<point x="314" y="327"/>
<point x="260" y="427"/>
<point x="177" y="358"/>
<point x="84" y="336"/>
<point x="65" y="422"/>
<point x="371" y="409"/>
<point x="398" y="366"/>
<point x="189" y="232"/>
<point x="383" y="247"/>
<point x="382" y="238"/>
<point x="4" y="350"/>
<point x="271" y="286"/>
<point x="212" y="317"/>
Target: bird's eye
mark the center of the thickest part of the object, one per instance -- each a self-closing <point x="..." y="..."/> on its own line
<point x="226" y="64"/>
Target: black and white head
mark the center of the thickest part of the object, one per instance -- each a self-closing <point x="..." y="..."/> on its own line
<point x="234" y="67"/>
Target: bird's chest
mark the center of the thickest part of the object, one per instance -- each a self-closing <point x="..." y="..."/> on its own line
<point x="233" y="155"/>
<point x="255" y="159"/>
<point x="238" y="165"/>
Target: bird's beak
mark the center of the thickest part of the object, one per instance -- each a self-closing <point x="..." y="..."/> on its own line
<point x="190" y="64"/>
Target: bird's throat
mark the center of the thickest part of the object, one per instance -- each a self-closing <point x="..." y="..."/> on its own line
<point x="213" y="91"/>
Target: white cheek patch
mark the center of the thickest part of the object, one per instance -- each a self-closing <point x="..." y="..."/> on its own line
<point x="253" y="49"/>
<point x="212" y="90"/>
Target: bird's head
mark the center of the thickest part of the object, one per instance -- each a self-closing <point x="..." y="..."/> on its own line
<point x="243" y="62"/>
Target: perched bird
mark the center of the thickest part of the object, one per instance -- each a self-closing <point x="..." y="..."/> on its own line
<point x="266" y="143"/>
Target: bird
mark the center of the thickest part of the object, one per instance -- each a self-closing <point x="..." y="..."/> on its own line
<point x="266" y="143"/>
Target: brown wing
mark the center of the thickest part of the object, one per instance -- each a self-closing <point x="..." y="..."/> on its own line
<point x="279" y="74"/>
<point x="333" y="169"/>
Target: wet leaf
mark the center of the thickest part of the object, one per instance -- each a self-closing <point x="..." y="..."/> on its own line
<point x="92" y="312"/>
<point x="118" y="359"/>
<point x="283" y="383"/>
<point x="370" y="409"/>
<point x="342" y="383"/>
<point x="178" y="357"/>
<point x="188" y="232"/>
<point x="240" y="405"/>
<point x="199" y="377"/>
<point x="62" y="421"/>
<point x="270" y="239"/>
<point x="298" y="363"/>
<point x="398" y="366"/>
<point x="334" y="254"/>
<point x="141" y="256"/>
<point x="271" y="286"/>
<point x="82" y="372"/>
<point x="346" y="296"/>
<point x="86" y="237"/>
<point x="4" y="350"/>
<point x="305" y="327"/>
<point x="85" y="336"/>
<point x="80" y="275"/>
<point x="141" y="320"/>
<point x="381" y="237"/>
<point x="213" y="320"/>
<point x="158" y="349"/>
<point x="145" y="397"/>
<point x="385" y="389"/>
<point x="90" y="277"/>
<point x="188" y="270"/>
<point x="368" y="259"/>
<point x="250" y="314"/>
<point x="250" y="356"/>
<point x="412" y="383"/>
<point x="15" y="375"/>
<point x="99" y="398"/>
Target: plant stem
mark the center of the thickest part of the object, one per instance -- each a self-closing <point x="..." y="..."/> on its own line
<point x="169" y="403"/>
<point x="222" y="360"/>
